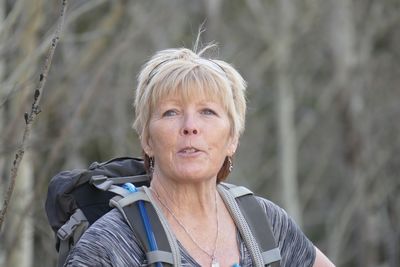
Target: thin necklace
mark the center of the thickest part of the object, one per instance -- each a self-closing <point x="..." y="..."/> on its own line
<point x="214" y="262"/>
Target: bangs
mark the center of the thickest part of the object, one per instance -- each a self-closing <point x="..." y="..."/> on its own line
<point x="189" y="81"/>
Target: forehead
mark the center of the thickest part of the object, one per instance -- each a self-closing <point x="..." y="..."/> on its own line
<point x="190" y="100"/>
<point x="189" y="92"/>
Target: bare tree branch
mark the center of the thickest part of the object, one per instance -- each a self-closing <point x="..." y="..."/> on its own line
<point x="35" y="110"/>
<point x="13" y="83"/>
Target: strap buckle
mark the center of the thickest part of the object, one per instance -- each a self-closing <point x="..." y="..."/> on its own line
<point x="68" y="228"/>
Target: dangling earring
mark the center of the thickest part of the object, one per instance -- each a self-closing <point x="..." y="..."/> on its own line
<point x="151" y="165"/>
<point x="230" y="164"/>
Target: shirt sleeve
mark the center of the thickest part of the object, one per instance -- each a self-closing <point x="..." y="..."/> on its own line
<point x="108" y="242"/>
<point x="296" y="249"/>
<point x="89" y="251"/>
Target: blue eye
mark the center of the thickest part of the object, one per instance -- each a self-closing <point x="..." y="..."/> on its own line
<point x="208" y="111"/>
<point x="169" y="113"/>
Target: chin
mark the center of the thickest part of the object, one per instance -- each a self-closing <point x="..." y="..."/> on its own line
<point x="194" y="175"/>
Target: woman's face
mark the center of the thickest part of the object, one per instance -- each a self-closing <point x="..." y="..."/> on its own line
<point x="189" y="140"/>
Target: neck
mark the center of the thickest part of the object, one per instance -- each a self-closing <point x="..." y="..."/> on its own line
<point x="188" y="220"/>
<point x="200" y="220"/>
<point x="194" y="199"/>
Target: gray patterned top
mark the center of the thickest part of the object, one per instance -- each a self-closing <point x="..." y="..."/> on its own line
<point x="111" y="242"/>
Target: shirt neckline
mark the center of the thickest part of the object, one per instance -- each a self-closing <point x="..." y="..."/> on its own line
<point x="193" y="262"/>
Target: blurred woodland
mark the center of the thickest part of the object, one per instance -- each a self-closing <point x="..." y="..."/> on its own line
<point x="321" y="135"/>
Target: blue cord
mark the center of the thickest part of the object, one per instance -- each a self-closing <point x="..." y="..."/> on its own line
<point x="145" y="219"/>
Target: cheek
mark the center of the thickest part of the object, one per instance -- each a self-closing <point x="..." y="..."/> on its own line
<point x="221" y="140"/>
<point x="161" y="136"/>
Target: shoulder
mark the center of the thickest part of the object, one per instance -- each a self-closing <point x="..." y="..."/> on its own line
<point x="107" y="242"/>
<point x="277" y="216"/>
<point x="296" y="248"/>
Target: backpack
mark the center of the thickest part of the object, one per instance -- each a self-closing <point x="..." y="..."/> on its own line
<point x="77" y="198"/>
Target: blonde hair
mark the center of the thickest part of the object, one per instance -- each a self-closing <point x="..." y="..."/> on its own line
<point x="184" y="73"/>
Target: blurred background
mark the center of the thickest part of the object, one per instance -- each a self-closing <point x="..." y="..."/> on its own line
<point x="322" y="131"/>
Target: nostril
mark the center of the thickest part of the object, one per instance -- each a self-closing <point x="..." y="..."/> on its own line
<point x="190" y="131"/>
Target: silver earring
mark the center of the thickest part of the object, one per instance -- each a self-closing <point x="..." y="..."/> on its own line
<point x="230" y="164"/>
<point x="151" y="164"/>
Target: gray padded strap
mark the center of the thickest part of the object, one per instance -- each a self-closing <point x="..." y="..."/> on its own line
<point x="272" y="255"/>
<point x="101" y="182"/>
<point x="159" y="256"/>
<point x="165" y="239"/>
<point x="242" y="226"/>
<point x="104" y="183"/>
<point x="173" y="243"/>
<point x="62" y="252"/>
<point x="132" y="198"/>
<point x="254" y="227"/>
<point x="119" y="190"/>
<point x="239" y="191"/>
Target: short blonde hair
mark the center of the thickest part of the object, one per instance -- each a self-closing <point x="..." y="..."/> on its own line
<point x="184" y="73"/>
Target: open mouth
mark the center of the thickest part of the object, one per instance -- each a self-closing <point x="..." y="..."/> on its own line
<point x="188" y="150"/>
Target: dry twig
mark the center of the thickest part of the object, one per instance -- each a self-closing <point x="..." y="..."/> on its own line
<point x="35" y="110"/>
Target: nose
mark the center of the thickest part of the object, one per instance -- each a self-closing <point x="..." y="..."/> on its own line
<point x="190" y="125"/>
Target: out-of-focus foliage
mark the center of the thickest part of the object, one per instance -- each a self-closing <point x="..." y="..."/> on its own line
<point x="340" y="60"/>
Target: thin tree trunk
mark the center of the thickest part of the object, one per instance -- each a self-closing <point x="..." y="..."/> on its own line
<point x="350" y="106"/>
<point x="2" y="112"/>
<point x="341" y="45"/>
<point x="286" y="109"/>
<point x="20" y="224"/>
<point x="3" y="119"/>
<point x="2" y="116"/>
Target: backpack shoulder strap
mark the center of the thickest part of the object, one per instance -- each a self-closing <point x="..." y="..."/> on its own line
<point x="70" y="233"/>
<point x="256" y="230"/>
<point x="167" y="247"/>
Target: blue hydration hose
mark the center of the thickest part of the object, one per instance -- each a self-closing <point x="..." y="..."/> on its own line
<point x="145" y="219"/>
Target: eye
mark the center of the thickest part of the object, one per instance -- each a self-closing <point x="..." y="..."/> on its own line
<point x="208" y="111"/>
<point x="170" y="112"/>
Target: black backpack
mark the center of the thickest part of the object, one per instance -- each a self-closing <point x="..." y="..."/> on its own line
<point x="77" y="198"/>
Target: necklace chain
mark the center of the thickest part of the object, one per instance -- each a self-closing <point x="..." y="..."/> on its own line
<point x="211" y="255"/>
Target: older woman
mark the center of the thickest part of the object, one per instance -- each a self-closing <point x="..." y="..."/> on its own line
<point x="190" y="112"/>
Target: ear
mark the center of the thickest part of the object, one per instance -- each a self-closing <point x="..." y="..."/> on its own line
<point x="146" y="145"/>
<point x="232" y="146"/>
